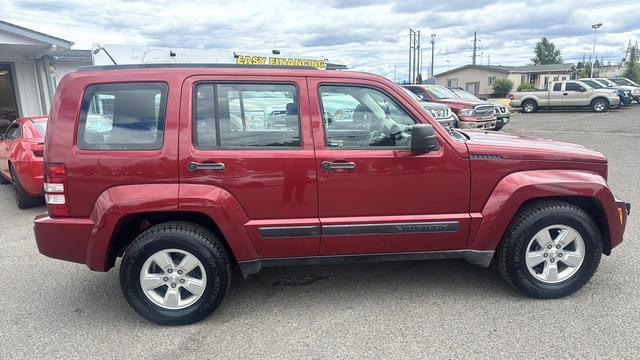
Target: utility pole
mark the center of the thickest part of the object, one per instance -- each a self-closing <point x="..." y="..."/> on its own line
<point x="594" y="27"/>
<point x="415" y="56"/>
<point x="433" y="45"/>
<point x="448" y="64"/>
<point x="475" y="47"/>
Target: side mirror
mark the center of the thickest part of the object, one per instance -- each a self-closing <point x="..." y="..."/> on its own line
<point x="423" y="138"/>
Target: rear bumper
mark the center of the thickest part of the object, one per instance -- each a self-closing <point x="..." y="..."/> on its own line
<point x="30" y="174"/>
<point x="63" y="238"/>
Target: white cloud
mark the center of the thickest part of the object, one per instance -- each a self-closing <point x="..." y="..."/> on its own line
<point x="367" y="35"/>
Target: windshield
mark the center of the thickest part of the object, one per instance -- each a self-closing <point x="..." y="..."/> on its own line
<point x="41" y="126"/>
<point x="413" y="96"/>
<point x="624" y="81"/>
<point x="462" y="94"/>
<point x="440" y="92"/>
<point x="593" y="84"/>
<point x="607" y="82"/>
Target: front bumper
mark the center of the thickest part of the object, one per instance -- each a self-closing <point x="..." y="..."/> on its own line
<point x="451" y="121"/>
<point x="466" y="123"/>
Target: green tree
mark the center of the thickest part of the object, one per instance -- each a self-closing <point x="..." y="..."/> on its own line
<point x="526" y="86"/>
<point x="632" y="68"/>
<point x="546" y="53"/>
<point x="585" y="72"/>
<point x="502" y="87"/>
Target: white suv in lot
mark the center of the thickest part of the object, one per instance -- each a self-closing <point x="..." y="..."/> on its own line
<point x="628" y="84"/>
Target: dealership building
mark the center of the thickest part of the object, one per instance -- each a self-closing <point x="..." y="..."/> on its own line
<point x="31" y="65"/>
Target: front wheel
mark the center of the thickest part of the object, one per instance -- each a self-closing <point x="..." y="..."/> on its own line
<point x="551" y="250"/>
<point x="600" y="105"/>
<point x="175" y="273"/>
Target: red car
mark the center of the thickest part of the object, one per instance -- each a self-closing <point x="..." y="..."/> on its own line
<point x="472" y="114"/>
<point x="21" y="155"/>
<point x="187" y="170"/>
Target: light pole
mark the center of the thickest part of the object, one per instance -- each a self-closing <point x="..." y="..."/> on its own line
<point x="593" y="55"/>
<point x="433" y="42"/>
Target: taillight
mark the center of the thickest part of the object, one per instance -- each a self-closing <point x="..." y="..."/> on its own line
<point x="38" y="150"/>
<point x="55" y="189"/>
<point x="511" y="97"/>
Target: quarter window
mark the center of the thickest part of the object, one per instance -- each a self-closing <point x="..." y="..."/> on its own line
<point x="14" y="132"/>
<point x="123" y="116"/>
<point x="246" y="115"/>
<point x="360" y="117"/>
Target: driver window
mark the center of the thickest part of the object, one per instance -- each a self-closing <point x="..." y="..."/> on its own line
<point x="574" y="87"/>
<point x="361" y="117"/>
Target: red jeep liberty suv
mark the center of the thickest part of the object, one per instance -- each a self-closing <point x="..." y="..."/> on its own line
<point x="187" y="170"/>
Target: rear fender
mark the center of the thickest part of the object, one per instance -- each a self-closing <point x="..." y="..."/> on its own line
<point x="517" y="188"/>
<point x="117" y="202"/>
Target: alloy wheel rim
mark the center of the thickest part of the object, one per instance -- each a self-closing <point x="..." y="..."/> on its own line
<point x="173" y="279"/>
<point x="599" y="106"/>
<point x="555" y="254"/>
<point x="528" y="108"/>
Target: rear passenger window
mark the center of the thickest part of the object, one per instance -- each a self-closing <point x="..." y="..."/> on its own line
<point x="123" y="116"/>
<point x="246" y="116"/>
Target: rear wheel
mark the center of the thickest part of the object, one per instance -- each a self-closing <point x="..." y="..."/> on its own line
<point x="175" y="273"/>
<point x="600" y="105"/>
<point x="529" y="106"/>
<point x="23" y="199"/>
<point x="551" y="250"/>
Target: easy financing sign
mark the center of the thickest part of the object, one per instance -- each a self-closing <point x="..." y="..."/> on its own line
<point x="263" y="60"/>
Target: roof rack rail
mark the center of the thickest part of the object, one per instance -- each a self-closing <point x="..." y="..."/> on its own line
<point x="188" y="65"/>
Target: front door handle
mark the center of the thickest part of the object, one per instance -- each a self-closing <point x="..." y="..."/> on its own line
<point x="193" y="166"/>
<point x="338" y="165"/>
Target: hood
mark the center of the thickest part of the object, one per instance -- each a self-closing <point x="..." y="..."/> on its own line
<point x="528" y="148"/>
<point x="458" y="104"/>
<point x="433" y="106"/>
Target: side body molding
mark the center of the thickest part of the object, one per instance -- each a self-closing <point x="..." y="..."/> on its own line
<point x="119" y="201"/>
<point x="517" y="188"/>
<point x="225" y="211"/>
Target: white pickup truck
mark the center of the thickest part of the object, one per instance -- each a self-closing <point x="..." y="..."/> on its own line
<point x="565" y="94"/>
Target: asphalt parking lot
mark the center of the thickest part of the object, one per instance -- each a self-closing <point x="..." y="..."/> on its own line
<point x="437" y="309"/>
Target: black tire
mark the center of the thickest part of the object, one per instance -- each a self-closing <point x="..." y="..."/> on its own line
<point x="3" y="180"/>
<point x="530" y="220"/>
<point x="529" y="106"/>
<point x="189" y="237"/>
<point x="23" y="199"/>
<point x="599" y="105"/>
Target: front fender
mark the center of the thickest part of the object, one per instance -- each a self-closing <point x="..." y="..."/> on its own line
<point x="517" y="188"/>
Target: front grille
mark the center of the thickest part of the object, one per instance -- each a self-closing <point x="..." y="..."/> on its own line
<point x="482" y="111"/>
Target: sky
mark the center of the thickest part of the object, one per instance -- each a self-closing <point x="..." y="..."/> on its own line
<point x="366" y="35"/>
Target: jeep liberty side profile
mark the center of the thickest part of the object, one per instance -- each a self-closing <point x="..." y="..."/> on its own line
<point x="185" y="171"/>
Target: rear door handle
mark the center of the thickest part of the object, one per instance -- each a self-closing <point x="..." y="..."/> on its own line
<point x="338" y="165"/>
<point x="193" y="166"/>
<point x="565" y="94"/>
